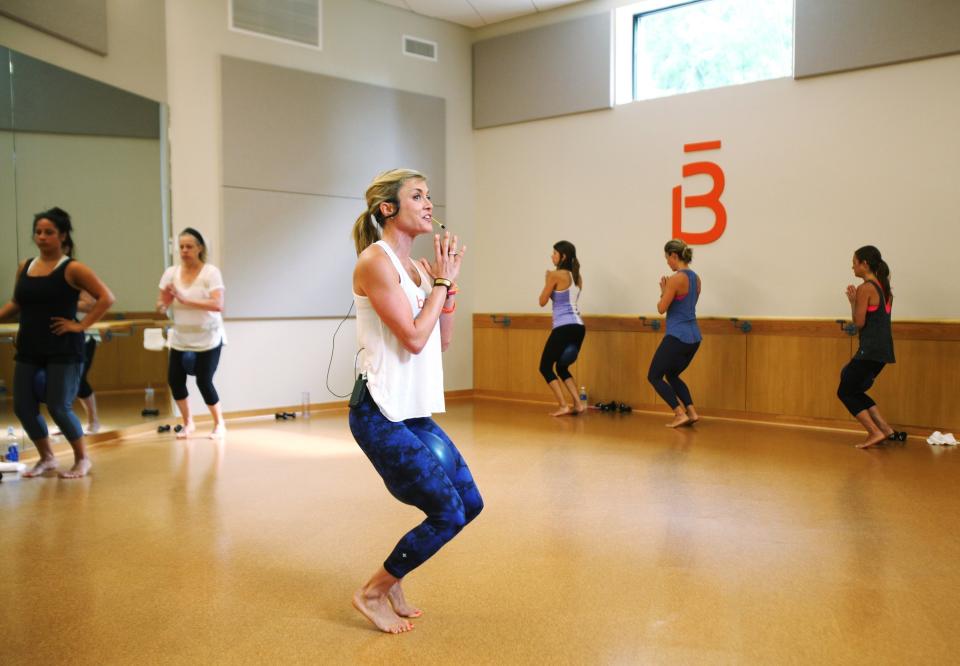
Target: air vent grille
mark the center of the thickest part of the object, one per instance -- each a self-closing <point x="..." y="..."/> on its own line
<point x="419" y="48"/>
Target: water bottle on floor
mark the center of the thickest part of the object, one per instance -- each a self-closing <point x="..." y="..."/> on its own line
<point x="13" y="451"/>
<point x="583" y="394"/>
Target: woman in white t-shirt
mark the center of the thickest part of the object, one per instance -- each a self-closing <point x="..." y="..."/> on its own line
<point x="192" y="293"/>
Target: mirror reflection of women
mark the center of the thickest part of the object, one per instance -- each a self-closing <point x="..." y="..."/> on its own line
<point x="562" y="286"/>
<point x="50" y="339"/>
<point x="192" y="294"/>
<point x="405" y="314"/>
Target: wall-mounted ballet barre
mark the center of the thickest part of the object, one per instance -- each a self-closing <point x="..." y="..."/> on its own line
<point x="652" y="323"/>
<point x="742" y="324"/>
<point x="505" y="320"/>
<point x="847" y="327"/>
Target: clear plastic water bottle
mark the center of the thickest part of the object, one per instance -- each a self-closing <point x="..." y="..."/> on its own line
<point x="149" y="397"/>
<point x="13" y="451"/>
<point x="583" y="394"/>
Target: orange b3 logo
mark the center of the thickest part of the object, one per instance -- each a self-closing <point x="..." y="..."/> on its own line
<point x="709" y="200"/>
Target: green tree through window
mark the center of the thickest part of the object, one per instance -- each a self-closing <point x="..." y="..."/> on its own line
<point x="711" y="43"/>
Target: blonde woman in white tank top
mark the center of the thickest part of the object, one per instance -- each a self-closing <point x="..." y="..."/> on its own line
<point x="405" y="311"/>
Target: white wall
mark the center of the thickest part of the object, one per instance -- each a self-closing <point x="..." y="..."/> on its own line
<point x="814" y="169"/>
<point x="136" y="59"/>
<point x="271" y="362"/>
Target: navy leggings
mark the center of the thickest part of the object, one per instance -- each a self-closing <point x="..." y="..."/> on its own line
<point x="89" y="349"/>
<point x="562" y="349"/>
<point x="414" y="475"/>
<point x="62" y="382"/>
<point x="671" y="358"/>
<point x="856" y="378"/>
<point x="205" y="365"/>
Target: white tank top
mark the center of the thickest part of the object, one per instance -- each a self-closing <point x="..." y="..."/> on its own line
<point x="404" y="385"/>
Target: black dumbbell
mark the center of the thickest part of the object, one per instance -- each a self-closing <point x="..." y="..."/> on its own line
<point x="163" y="428"/>
<point x="149" y="412"/>
<point x="624" y="408"/>
<point x="178" y="428"/>
<point x="283" y="416"/>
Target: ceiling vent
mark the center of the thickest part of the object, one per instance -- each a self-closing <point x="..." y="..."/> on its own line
<point x="419" y="48"/>
<point x="294" y="21"/>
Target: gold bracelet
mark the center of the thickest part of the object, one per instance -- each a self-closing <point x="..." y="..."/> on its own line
<point x="442" y="282"/>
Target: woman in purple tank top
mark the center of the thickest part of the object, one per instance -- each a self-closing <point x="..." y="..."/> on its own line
<point x="562" y="286"/>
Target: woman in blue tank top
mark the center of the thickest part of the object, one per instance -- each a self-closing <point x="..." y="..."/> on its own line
<point x="870" y="305"/>
<point x="562" y="286"/>
<point x="678" y="298"/>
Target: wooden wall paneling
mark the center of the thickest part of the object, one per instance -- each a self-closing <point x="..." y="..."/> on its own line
<point x="490" y="356"/>
<point x="795" y="376"/>
<point x="921" y="388"/>
<point x="613" y="366"/>
<point x="526" y="346"/>
<point x="6" y="366"/>
<point x="717" y="376"/>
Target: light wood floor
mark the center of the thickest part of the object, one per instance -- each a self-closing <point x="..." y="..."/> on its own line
<point x="606" y="539"/>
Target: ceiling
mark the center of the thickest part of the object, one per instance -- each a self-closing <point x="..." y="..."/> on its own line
<point x="477" y="13"/>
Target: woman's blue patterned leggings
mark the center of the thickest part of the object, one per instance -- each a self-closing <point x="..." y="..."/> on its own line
<point x="414" y="475"/>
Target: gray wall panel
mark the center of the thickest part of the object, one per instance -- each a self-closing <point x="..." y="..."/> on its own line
<point x="838" y="35"/>
<point x="80" y="22"/>
<point x="8" y="218"/>
<point x="296" y="20"/>
<point x="51" y="99"/>
<point x="288" y="255"/>
<point x="6" y="122"/>
<point x="293" y="131"/>
<point x="111" y="188"/>
<point x="550" y="71"/>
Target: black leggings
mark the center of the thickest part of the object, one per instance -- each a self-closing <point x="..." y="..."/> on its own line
<point x="89" y="349"/>
<point x="856" y="378"/>
<point x="206" y="365"/>
<point x="671" y="358"/>
<point x="561" y="350"/>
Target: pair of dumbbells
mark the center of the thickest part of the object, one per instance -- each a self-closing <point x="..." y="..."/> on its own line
<point x="614" y="406"/>
<point x="283" y="416"/>
<point x="166" y="428"/>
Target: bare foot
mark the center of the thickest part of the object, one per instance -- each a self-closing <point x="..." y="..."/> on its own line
<point x="219" y="432"/>
<point x="679" y="420"/>
<point x="92" y="429"/>
<point x="43" y="465"/>
<point x="187" y="430"/>
<point x="692" y="415"/>
<point x="563" y="411"/>
<point x="377" y="609"/>
<point x="871" y="441"/>
<point x="399" y="603"/>
<point x="581" y="409"/>
<point x="79" y="470"/>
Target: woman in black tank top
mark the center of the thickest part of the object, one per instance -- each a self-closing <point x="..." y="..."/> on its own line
<point x="870" y="305"/>
<point x="50" y="339"/>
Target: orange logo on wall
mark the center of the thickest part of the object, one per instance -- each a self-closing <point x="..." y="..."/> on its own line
<point x="709" y="200"/>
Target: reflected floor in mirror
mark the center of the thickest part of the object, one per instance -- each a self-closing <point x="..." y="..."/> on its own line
<point x="116" y="411"/>
<point x="606" y="538"/>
